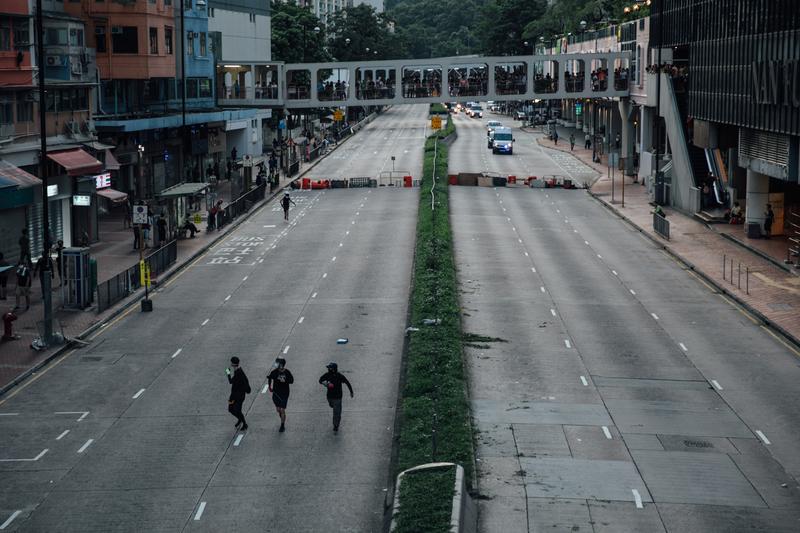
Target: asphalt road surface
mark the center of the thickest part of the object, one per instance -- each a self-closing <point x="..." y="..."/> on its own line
<point x="132" y="433"/>
<point x="629" y="396"/>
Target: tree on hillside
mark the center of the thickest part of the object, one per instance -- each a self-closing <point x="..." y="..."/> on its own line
<point x="503" y="24"/>
<point x="293" y="37"/>
<point x="434" y="29"/>
<point x="354" y="30"/>
<point x="565" y="16"/>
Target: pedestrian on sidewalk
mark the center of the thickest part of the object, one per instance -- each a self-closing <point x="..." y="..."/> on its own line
<point x="24" y="246"/>
<point x="587" y="141"/>
<point x="555" y="136"/>
<point x="278" y="381"/>
<point x="3" y="276"/>
<point x="60" y="261"/>
<point x="572" y="141"/>
<point x="769" y="218"/>
<point x="161" y="224"/>
<point x="220" y="215"/>
<point x="212" y="217"/>
<point x="24" y="280"/>
<point x="240" y="387"/>
<point x="43" y="262"/>
<point x="135" y="236"/>
<point x="285" y="201"/>
<point x="332" y="381"/>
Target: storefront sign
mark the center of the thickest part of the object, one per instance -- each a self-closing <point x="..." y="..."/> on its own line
<point x="52" y="190"/>
<point x="102" y="180"/>
<point x="578" y="109"/>
<point x="83" y="200"/>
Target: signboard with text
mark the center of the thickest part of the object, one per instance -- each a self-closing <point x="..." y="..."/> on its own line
<point x="102" y="181"/>
<point x="436" y="123"/>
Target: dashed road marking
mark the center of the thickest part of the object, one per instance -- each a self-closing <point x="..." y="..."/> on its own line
<point x="200" y="509"/>
<point x="314" y="295"/>
<point x="205" y="322"/>
<point x="85" y="445"/>
<point x="599" y="256"/>
<point x="228" y="297"/>
<point x="245" y="278"/>
<point x="526" y="254"/>
<point x="637" y="498"/>
<point x="614" y="272"/>
<point x="325" y="275"/>
<point x="716" y="384"/>
<point x="567" y="343"/>
<point x="583" y="379"/>
<point x="553" y="312"/>
<point x="64" y="434"/>
<point x="585" y="242"/>
<point x="286" y="350"/>
<point x="762" y="437"/>
<point x="341" y="244"/>
<point x="300" y="320"/>
<point x="141" y="391"/>
<point x="655" y="316"/>
<point x="520" y="241"/>
<point x="683" y="347"/>
<point x="606" y="432"/>
<point x="542" y="289"/>
<point x="238" y="440"/>
<point x="10" y="519"/>
<point x="177" y="352"/>
<point x="632" y="292"/>
<point x="533" y="270"/>
<point x="264" y="389"/>
<point x="334" y="258"/>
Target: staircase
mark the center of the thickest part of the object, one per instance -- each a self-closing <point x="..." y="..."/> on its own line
<point x="683" y="193"/>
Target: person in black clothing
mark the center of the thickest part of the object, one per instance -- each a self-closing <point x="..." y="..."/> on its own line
<point x="240" y="387"/>
<point x="769" y="219"/>
<point x="39" y="268"/>
<point x="161" y="224"/>
<point x="24" y="246"/>
<point x="285" y="201"/>
<point x="278" y="381"/>
<point x="332" y="380"/>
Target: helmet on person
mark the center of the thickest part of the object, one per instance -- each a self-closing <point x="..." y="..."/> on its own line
<point x="333" y="367"/>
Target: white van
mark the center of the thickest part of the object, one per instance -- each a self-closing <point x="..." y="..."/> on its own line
<point x="502" y="141"/>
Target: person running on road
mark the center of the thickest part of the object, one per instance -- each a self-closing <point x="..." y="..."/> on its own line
<point x="278" y="381"/>
<point x="332" y="380"/>
<point x="240" y="387"/>
<point x="285" y="201"/>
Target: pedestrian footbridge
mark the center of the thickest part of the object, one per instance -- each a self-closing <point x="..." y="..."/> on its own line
<point x="415" y="81"/>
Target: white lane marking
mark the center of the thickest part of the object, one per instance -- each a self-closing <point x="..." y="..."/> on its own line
<point x="655" y="316"/>
<point x="177" y="353"/>
<point x="64" y="434"/>
<point x="716" y="384"/>
<point x="245" y="278"/>
<point x="504" y="209"/>
<point x="265" y="389"/>
<point x="526" y="254"/>
<point x="567" y="343"/>
<point x="325" y="275"/>
<point x="574" y="231"/>
<point x="10" y="519"/>
<point x="352" y="222"/>
<point x="632" y="292"/>
<point x="586" y="242"/>
<point x="260" y="261"/>
<point x="141" y="391"/>
<point x="553" y="312"/>
<point x="558" y="210"/>
<point x="599" y="256"/>
<point x="542" y="289"/>
<point x="11" y="414"/>
<point x="683" y="347"/>
<point x="83" y="414"/>
<point x="200" y="509"/>
<point x="583" y="380"/>
<point x="300" y="320"/>
<point x="614" y="272"/>
<point x="41" y="454"/>
<point x="286" y="350"/>
<point x="520" y="241"/>
<point x="85" y="445"/>
<point x="205" y="322"/>
<point x="341" y="244"/>
<point x="228" y="297"/>
<point x="334" y="258"/>
<point x="607" y="432"/>
<point x="509" y="219"/>
<point x="270" y="226"/>
<point x="762" y="437"/>
<point x="533" y="270"/>
<point x="357" y="213"/>
<point x="238" y="440"/>
<point x="637" y="498"/>
<point x="314" y="295"/>
<point x="347" y="232"/>
<point x="513" y="228"/>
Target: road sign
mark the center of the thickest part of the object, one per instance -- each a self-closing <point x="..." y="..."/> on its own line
<point x="140" y="214"/>
<point x="338" y="115"/>
<point x="247" y="161"/>
<point x="436" y="123"/>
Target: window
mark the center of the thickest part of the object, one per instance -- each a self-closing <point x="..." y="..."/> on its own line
<point x="55" y="36"/>
<point x="191" y="88"/>
<point x="125" y="40"/>
<point x="75" y="37"/>
<point x="6" y="113"/>
<point x="22" y="32"/>
<point x="202" y="44"/>
<point x="168" y="40"/>
<point x="154" y="41"/>
<point x="211" y="12"/>
<point x="100" y="39"/>
<point x="205" y="88"/>
<point x="25" y="107"/>
<point x="5" y="33"/>
<point x="189" y="43"/>
<point x="167" y="3"/>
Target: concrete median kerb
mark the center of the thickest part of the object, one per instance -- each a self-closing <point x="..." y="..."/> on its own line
<point x="137" y="296"/>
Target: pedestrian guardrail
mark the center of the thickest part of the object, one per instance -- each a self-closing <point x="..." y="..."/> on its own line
<point x="661" y="225"/>
<point x="123" y="284"/>
<point x="244" y="202"/>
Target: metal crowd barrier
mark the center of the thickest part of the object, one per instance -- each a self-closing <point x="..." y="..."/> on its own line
<point x="661" y="225"/>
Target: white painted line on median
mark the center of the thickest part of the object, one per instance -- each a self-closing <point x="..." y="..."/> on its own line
<point x="632" y="292"/>
<point x="655" y="316"/>
<point x="228" y="297"/>
<point x="141" y="391"/>
<point x="286" y="350"/>
<point x="205" y="322"/>
<point x="583" y="379"/>
<point x="341" y="244"/>
<point x="520" y="241"/>
<point x="325" y="275"/>
<point x="41" y="454"/>
<point x="314" y="295"/>
<point x="200" y="509"/>
<point x="542" y="289"/>
<point x="347" y="232"/>
<point x="11" y="414"/>
<point x="762" y="437"/>
<point x="637" y="498"/>
<point x="85" y="445"/>
<point x="606" y="432"/>
<point x="526" y="254"/>
<point x="10" y="519"/>
<point x="586" y="242"/>
<point x="270" y="226"/>
<point x="177" y="353"/>
<point x="64" y="434"/>
<point x="599" y="256"/>
<point x="334" y="258"/>
<point x="352" y="222"/>
<point x="238" y="440"/>
<point x="614" y="272"/>
<point x="567" y="343"/>
<point x="716" y="384"/>
<point x="553" y="312"/>
<point x="300" y="320"/>
<point x="245" y="278"/>
<point x="513" y="228"/>
<point x="533" y="270"/>
<point x="683" y="347"/>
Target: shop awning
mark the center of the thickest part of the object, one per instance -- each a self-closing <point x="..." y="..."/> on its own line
<point x="183" y="189"/>
<point x="11" y="175"/>
<point x="97" y="145"/>
<point x="111" y="161"/>
<point x="76" y="162"/>
<point x="112" y="194"/>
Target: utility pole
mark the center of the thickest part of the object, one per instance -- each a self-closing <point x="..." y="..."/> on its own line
<point x="47" y="295"/>
<point x="660" y="188"/>
<point x="184" y="140"/>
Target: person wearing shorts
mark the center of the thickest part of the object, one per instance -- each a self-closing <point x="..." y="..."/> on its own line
<point x="278" y="381"/>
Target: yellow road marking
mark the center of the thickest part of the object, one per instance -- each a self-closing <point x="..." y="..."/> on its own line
<point x="740" y="309"/>
<point x="33" y="379"/>
<point x="701" y="280"/>
<point x="780" y="340"/>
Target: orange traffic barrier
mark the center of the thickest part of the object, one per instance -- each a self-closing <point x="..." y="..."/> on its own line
<point x="512" y="179"/>
<point x="407" y="181"/>
<point x="452" y="179"/>
<point x="305" y="183"/>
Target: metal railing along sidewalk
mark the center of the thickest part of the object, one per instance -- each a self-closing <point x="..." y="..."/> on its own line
<point x="661" y="225"/>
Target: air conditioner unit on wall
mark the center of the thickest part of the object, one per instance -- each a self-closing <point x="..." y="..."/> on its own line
<point x="54" y="61"/>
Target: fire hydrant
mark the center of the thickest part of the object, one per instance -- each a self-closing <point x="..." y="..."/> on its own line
<point x="8" y="319"/>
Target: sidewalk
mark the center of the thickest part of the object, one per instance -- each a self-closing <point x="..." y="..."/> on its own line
<point x="774" y="289"/>
<point x="114" y="253"/>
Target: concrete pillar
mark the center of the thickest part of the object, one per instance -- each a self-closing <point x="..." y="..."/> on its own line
<point x="757" y="197"/>
<point x="627" y="135"/>
<point x="646" y="128"/>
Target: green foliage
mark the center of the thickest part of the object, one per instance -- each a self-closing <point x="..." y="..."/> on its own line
<point x="293" y="37"/>
<point x="426" y="498"/>
<point x="565" y="16"/>
<point x="365" y="29"/>
<point x="503" y="24"/>
<point x="438" y="109"/>
<point x="437" y="29"/>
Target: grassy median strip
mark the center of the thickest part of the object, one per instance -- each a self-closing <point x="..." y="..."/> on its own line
<point x="434" y="422"/>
